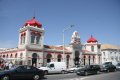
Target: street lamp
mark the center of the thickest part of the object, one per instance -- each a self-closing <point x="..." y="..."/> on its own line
<point x="64" y="41"/>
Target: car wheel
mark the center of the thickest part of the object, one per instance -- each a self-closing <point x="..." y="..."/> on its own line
<point x="5" y="77"/>
<point x="98" y="72"/>
<point x="114" y="70"/>
<point x="74" y="71"/>
<point x="86" y="73"/>
<point x="45" y="72"/>
<point x="63" y="72"/>
<point x="36" y="77"/>
<point x="108" y="70"/>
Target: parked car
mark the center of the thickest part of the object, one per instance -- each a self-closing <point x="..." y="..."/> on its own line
<point x="88" y="69"/>
<point x="108" y="66"/>
<point x="74" y="69"/>
<point x="22" y="72"/>
<point x="55" y="67"/>
<point x="118" y="66"/>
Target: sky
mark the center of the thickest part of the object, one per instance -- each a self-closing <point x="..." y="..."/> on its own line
<point x="99" y="18"/>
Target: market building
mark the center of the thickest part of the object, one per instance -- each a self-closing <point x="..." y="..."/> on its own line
<point x="32" y="51"/>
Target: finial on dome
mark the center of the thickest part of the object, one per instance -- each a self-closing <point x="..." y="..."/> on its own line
<point x="91" y="36"/>
<point x="33" y="17"/>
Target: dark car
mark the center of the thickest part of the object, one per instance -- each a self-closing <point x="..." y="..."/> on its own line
<point x="118" y="66"/>
<point x="108" y="66"/>
<point x="22" y="72"/>
<point x="88" y="69"/>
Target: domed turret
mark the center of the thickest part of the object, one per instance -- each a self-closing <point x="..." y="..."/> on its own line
<point x="33" y="22"/>
<point x="92" y="40"/>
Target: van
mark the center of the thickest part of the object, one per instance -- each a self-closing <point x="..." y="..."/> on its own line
<point x="55" y="67"/>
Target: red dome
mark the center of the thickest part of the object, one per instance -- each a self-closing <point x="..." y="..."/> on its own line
<point x="33" y="22"/>
<point x="92" y="40"/>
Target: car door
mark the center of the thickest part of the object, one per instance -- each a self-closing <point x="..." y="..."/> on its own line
<point x="52" y="68"/>
<point x="19" y="73"/>
<point x="91" y="70"/>
<point x="29" y="72"/>
<point x="88" y="68"/>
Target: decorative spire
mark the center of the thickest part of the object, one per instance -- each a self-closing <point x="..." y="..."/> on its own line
<point x="33" y="17"/>
<point x="75" y="38"/>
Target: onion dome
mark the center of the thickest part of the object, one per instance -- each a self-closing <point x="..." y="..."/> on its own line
<point x="33" y="22"/>
<point x="92" y="40"/>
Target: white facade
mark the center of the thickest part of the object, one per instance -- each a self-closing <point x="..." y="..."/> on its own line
<point x="111" y="55"/>
<point x="32" y="51"/>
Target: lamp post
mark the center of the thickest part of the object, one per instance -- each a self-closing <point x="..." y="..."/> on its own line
<point x="64" y="41"/>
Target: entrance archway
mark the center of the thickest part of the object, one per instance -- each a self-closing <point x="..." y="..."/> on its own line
<point x="49" y="56"/>
<point x="34" y="59"/>
<point x="76" y="60"/>
<point x="84" y="58"/>
<point x="89" y="59"/>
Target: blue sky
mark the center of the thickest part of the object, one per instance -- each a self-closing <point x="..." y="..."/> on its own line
<point x="101" y="18"/>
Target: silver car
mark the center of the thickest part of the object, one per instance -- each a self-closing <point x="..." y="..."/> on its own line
<point x="118" y="66"/>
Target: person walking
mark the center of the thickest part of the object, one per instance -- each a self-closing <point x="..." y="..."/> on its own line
<point x="10" y="65"/>
<point x="6" y="65"/>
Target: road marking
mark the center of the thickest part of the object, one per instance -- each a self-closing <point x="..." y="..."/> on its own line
<point x="75" y="78"/>
<point x="84" y="78"/>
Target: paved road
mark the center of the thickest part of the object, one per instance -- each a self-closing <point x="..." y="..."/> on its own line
<point x="73" y="76"/>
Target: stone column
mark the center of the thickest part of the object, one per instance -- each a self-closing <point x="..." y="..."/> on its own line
<point x="27" y="37"/>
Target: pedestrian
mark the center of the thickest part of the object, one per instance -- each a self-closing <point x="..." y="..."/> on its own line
<point x="10" y="65"/>
<point x="6" y="65"/>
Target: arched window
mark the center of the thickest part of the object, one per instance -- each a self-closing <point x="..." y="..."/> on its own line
<point x="32" y="38"/>
<point x="23" y="37"/>
<point x="11" y="56"/>
<point x="37" y="39"/>
<point x="21" y="55"/>
<point x="16" y="55"/>
<point x="7" y="56"/>
<point x="3" y="56"/>
<point x="92" y="48"/>
<point x="49" y="56"/>
<point x="59" y="58"/>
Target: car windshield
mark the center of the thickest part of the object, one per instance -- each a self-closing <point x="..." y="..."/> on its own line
<point x="107" y="63"/>
<point x="86" y="66"/>
<point x="13" y="68"/>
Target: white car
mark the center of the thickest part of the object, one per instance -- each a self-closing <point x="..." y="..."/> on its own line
<point x="55" y="67"/>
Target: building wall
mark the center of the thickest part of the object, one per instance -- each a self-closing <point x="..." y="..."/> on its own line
<point x="111" y="55"/>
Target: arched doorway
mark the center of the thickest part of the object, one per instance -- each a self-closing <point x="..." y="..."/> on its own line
<point x="49" y="56"/>
<point x="68" y="58"/>
<point x="76" y="60"/>
<point x="84" y="59"/>
<point x="59" y="58"/>
<point x="93" y="59"/>
<point x="34" y="59"/>
<point x="89" y="59"/>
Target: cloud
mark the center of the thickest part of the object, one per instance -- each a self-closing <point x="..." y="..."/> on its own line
<point x="8" y="44"/>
